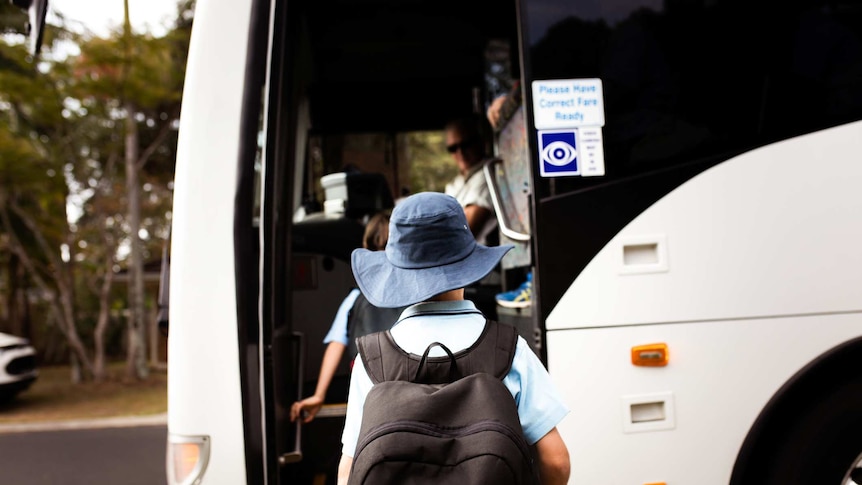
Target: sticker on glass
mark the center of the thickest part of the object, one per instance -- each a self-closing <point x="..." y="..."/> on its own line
<point x="569" y="115"/>
<point x="569" y="103"/>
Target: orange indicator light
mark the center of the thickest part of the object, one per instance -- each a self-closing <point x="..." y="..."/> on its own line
<point x="652" y="355"/>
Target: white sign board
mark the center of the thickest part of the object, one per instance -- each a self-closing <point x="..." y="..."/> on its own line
<point x="568" y="103"/>
<point x="569" y="115"/>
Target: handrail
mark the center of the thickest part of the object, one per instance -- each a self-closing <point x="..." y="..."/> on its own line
<point x="295" y="455"/>
<point x="332" y="411"/>
<point x="498" y="205"/>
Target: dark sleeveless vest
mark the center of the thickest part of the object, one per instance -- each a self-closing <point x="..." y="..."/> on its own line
<point x="365" y="318"/>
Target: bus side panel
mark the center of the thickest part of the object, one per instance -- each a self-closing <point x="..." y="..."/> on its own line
<point x="774" y="231"/>
<point x="692" y="415"/>
<point x="203" y="375"/>
<point x="748" y="272"/>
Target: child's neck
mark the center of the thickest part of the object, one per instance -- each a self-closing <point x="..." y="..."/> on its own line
<point x="453" y="295"/>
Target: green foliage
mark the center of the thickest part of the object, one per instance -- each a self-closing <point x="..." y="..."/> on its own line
<point x="431" y="167"/>
<point x="12" y="19"/>
<point x="61" y="146"/>
<point x="17" y="158"/>
<point x="30" y="120"/>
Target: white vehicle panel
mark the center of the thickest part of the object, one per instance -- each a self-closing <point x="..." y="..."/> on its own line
<point x="729" y="278"/>
<point x="7" y="356"/>
<point x="204" y="374"/>
<point x="7" y="340"/>
<point x="719" y="379"/>
<point x="775" y="231"/>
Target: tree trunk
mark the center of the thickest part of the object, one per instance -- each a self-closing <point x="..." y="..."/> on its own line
<point x="62" y="303"/>
<point x="74" y="369"/>
<point x="153" y="327"/>
<point x="136" y="364"/>
<point x="13" y="290"/>
<point x="14" y="307"/>
<point x="23" y="304"/>
<point x="103" y="291"/>
<point x="68" y="321"/>
<point x="99" y="371"/>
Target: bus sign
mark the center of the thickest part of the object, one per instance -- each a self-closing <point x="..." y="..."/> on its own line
<point x="569" y="115"/>
<point x="572" y="152"/>
<point x="569" y="103"/>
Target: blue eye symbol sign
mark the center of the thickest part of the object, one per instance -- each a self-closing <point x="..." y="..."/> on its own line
<point x="558" y="153"/>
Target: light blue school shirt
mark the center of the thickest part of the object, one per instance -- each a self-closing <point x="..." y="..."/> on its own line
<point x="338" y="329"/>
<point x="457" y="325"/>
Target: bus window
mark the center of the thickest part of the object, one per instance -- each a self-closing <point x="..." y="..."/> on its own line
<point x="687" y="85"/>
<point x="687" y="81"/>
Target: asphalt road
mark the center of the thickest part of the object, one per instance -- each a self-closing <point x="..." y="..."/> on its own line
<point x="110" y="456"/>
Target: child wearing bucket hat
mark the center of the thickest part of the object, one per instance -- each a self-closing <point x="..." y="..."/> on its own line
<point x="429" y="259"/>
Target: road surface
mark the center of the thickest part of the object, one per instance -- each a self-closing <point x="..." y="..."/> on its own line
<point x="110" y="456"/>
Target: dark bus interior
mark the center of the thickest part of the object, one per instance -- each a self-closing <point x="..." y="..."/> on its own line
<point x="401" y="66"/>
<point x="356" y="79"/>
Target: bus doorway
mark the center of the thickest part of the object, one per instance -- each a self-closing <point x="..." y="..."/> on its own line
<point x="359" y="95"/>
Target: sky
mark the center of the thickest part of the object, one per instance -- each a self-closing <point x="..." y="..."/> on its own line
<point x="98" y="16"/>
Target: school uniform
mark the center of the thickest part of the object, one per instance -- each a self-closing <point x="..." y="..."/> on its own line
<point x="338" y="329"/>
<point x="356" y="317"/>
<point x="431" y="252"/>
<point x="457" y="325"/>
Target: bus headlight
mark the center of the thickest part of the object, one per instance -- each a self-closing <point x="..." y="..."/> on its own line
<point x="187" y="458"/>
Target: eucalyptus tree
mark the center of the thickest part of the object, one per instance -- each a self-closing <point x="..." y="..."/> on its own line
<point x="83" y="139"/>
<point x="38" y="142"/>
<point x="137" y="80"/>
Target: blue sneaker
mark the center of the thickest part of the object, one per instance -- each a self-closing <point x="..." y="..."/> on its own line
<point x="520" y="297"/>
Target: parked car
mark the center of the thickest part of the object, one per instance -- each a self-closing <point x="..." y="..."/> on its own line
<point x="17" y="365"/>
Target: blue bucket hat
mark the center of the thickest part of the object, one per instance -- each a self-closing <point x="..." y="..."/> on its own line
<point x="430" y="251"/>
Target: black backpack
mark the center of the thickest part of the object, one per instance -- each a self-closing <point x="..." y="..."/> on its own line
<point x="433" y="420"/>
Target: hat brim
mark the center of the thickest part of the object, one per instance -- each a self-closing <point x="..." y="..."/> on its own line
<point x="388" y="286"/>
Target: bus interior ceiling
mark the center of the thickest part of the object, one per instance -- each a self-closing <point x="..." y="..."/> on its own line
<point x="400" y="65"/>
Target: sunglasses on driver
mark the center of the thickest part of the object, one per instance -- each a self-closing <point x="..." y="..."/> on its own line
<point x="462" y="145"/>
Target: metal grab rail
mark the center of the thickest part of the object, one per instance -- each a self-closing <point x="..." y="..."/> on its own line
<point x="295" y="455"/>
<point x="498" y="205"/>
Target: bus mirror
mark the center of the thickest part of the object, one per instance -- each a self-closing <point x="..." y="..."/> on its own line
<point x="35" y="28"/>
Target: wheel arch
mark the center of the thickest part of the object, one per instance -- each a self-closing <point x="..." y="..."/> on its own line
<point x="835" y="367"/>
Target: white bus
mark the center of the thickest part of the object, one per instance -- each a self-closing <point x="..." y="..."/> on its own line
<point x="683" y="178"/>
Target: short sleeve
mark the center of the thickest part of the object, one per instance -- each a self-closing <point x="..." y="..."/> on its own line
<point x="451" y="189"/>
<point x="360" y="385"/>
<point x="540" y="406"/>
<point x="477" y="193"/>
<point x="338" y="330"/>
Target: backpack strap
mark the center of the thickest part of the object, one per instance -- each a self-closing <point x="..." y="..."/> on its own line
<point x="453" y="366"/>
<point x="492" y="354"/>
<point x="371" y="355"/>
<point x="504" y="351"/>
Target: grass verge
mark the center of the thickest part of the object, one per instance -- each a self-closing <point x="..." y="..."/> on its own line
<point x="53" y="397"/>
